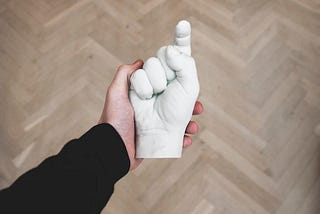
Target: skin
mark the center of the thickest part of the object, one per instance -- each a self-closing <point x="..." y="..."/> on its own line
<point x="119" y="112"/>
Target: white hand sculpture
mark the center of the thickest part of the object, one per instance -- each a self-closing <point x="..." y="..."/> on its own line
<point x="163" y="95"/>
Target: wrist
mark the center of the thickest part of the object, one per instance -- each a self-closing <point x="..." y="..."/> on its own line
<point x="159" y="145"/>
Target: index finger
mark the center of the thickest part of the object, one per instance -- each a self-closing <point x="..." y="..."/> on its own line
<point x="182" y="40"/>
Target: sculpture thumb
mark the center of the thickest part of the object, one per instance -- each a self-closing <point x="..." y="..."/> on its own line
<point x="184" y="67"/>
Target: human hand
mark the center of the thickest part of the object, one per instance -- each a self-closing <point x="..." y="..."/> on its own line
<point x="119" y="112"/>
<point x="163" y="96"/>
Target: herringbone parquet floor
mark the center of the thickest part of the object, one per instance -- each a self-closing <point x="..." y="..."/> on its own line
<point x="259" y="65"/>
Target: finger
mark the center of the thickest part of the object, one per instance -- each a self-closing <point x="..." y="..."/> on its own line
<point x="192" y="128"/>
<point x="198" y="108"/>
<point x="128" y="69"/>
<point x="185" y="69"/>
<point x="134" y="98"/>
<point x="161" y="54"/>
<point x="175" y="58"/>
<point x="187" y="141"/>
<point x="156" y="74"/>
<point x="182" y="39"/>
<point x="141" y="85"/>
<point x="135" y="66"/>
<point x="123" y="73"/>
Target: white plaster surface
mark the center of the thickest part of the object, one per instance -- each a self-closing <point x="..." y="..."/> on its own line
<point x="163" y="95"/>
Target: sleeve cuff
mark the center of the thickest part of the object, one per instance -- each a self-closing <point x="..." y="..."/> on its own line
<point x="107" y="145"/>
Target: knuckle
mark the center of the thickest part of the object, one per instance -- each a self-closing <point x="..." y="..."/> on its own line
<point x="122" y="68"/>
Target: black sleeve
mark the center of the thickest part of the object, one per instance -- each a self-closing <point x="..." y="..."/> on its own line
<point x="79" y="179"/>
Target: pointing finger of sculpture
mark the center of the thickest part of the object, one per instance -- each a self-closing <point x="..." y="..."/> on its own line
<point x="182" y="39"/>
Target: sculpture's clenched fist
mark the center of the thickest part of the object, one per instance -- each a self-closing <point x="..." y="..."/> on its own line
<point x="163" y="95"/>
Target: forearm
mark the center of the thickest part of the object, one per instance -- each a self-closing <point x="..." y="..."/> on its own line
<point x="79" y="179"/>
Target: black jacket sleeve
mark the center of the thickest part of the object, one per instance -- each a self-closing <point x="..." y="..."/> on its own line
<point x="79" y="179"/>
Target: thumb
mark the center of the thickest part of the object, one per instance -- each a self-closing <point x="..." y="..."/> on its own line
<point x="121" y="80"/>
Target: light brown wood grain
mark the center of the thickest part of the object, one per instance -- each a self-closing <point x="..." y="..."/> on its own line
<point x="259" y="70"/>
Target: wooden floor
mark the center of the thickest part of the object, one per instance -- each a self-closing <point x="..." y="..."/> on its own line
<point x="259" y="65"/>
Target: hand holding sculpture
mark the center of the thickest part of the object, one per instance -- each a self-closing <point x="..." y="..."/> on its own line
<point x="163" y="95"/>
